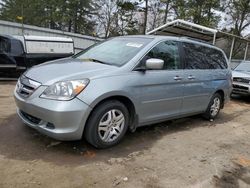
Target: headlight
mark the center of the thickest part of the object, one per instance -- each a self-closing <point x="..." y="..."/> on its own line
<point x="65" y="90"/>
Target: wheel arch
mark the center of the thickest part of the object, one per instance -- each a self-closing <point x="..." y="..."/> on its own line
<point x="127" y="101"/>
<point x="222" y="94"/>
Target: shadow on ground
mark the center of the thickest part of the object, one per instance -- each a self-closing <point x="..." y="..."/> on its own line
<point x="23" y="143"/>
<point x="242" y="99"/>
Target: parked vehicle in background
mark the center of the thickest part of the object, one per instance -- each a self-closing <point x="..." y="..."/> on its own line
<point x="17" y="53"/>
<point x="234" y="63"/>
<point x="123" y="83"/>
<point x="241" y="79"/>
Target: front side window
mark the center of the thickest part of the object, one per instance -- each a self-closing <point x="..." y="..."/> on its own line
<point x="166" y="51"/>
<point x="116" y="51"/>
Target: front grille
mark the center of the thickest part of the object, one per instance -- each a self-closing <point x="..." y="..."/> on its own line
<point x="25" y="90"/>
<point x="240" y="89"/>
<point x="30" y="118"/>
<point x="243" y="80"/>
<point x="25" y="86"/>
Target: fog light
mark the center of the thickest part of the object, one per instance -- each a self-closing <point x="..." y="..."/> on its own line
<point x="50" y="125"/>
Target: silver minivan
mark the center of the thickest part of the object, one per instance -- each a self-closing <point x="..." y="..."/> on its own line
<point x="121" y="84"/>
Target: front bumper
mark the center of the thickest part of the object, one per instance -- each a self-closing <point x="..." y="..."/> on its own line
<point x="241" y="88"/>
<point x="62" y="120"/>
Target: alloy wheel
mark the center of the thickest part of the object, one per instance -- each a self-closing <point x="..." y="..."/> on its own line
<point x="215" y="106"/>
<point x="111" y="125"/>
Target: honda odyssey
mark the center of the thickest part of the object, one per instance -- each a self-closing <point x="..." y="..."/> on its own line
<point x="121" y="84"/>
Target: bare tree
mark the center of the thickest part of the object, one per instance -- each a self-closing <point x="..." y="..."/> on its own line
<point x="155" y="14"/>
<point x="238" y="13"/>
<point x="106" y="13"/>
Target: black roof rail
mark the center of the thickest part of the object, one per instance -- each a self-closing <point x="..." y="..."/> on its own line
<point x="198" y="40"/>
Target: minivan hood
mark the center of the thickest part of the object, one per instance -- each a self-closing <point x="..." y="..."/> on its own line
<point x="240" y="74"/>
<point x="66" y="69"/>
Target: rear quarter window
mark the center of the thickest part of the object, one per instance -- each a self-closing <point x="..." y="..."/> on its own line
<point x="202" y="57"/>
<point x="217" y="59"/>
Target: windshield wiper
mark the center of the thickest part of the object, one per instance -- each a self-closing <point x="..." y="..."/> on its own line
<point x="96" y="60"/>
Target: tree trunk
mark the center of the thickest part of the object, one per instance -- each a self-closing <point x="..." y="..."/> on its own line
<point x="75" y="26"/>
<point x="145" y="18"/>
<point x="107" y="28"/>
<point x="166" y="12"/>
<point x="75" y="20"/>
<point x="70" y="25"/>
<point x="52" y="24"/>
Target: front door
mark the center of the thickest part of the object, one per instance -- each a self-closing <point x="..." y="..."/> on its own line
<point x="160" y="92"/>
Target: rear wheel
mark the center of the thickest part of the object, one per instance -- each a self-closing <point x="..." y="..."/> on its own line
<point x="107" y="124"/>
<point x="214" y="107"/>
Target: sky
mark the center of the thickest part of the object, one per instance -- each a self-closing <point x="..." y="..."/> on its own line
<point x="225" y="23"/>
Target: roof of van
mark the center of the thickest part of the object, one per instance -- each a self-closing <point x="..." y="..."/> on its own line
<point x="165" y="37"/>
<point x="183" y="39"/>
<point x="160" y="37"/>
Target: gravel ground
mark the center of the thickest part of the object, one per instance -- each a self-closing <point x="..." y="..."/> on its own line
<point x="189" y="152"/>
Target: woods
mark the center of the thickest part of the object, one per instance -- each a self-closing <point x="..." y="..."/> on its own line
<point x="106" y="18"/>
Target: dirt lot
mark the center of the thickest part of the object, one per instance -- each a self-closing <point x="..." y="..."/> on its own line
<point x="189" y="152"/>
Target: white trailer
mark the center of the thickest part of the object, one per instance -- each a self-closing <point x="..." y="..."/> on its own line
<point x="18" y="53"/>
<point x="46" y="45"/>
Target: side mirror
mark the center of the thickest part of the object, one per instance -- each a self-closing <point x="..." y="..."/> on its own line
<point x="154" y="64"/>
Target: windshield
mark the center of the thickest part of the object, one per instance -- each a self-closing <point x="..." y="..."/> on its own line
<point x="243" y="67"/>
<point x="116" y="51"/>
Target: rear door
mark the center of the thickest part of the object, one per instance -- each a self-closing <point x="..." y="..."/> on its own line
<point x="197" y="79"/>
<point x="160" y="92"/>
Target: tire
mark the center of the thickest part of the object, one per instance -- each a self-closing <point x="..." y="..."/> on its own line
<point x="216" y="103"/>
<point x="107" y="124"/>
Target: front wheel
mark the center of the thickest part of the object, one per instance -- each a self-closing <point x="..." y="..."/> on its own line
<point x="107" y="124"/>
<point x="214" y="107"/>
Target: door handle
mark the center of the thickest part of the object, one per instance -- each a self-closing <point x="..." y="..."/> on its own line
<point x="191" y="77"/>
<point x="177" y="78"/>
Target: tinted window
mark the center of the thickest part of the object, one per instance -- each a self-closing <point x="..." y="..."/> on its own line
<point x="202" y="57"/>
<point x="216" y="58"/>
<point x="168" y="52"/>
<point x="116" y="51"/>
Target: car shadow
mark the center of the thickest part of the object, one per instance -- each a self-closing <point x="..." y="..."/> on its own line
<point x="20" y="142"/>
<point x="239" y="98"/>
